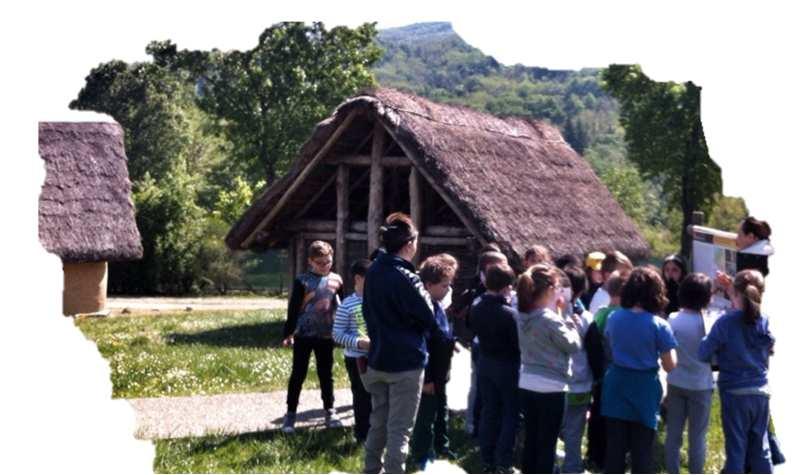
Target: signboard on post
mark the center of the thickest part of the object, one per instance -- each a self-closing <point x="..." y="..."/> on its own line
<point x="714" y="250"/>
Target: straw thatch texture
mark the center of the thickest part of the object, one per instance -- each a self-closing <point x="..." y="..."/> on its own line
<point x="517" y="181"/>
<point x="85" y="210"/>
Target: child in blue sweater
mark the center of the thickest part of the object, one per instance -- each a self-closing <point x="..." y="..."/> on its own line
<point x="350" y="332"/>
<point x="741" y="342"/>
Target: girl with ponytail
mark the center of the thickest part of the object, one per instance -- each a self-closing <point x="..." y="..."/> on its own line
<point x="741" y="342"/>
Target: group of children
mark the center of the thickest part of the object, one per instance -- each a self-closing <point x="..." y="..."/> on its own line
<point x="562" y="345"/>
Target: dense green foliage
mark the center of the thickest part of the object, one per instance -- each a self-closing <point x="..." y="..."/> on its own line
<point x="207" y="130"/>
<point x="663" y="131"/>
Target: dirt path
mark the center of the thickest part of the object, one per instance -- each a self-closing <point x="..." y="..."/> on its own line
<point x="230" y="414"/>
<point x="118" y="305"/>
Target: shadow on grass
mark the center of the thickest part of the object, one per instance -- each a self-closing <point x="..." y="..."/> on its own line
<point x="317" y="415"/>
<point x="260" y="335"/>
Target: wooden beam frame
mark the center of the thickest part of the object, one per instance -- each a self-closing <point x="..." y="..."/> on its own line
<point x="315" y="197"/>
<point x="342" y="218"/>
<point x="456" y="209"/>
<point x="300" y="178"/>
<point x="364" y="161"/>
<point x="301" y="253"/>
<point x="376" y="196"/>
<point x="416" y="205"/>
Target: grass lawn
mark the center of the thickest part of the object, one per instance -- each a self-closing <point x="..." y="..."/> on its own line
<point x="192" y="353"/>
<point x="316" y="451"/>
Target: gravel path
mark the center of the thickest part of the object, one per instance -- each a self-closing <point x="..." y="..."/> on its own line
<point x="229" y="414"/>
<point x="116" y="305"/>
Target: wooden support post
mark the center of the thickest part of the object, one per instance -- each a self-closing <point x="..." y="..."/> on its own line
<point x="342" y="219"/>
<point x="416" y="205"/>
<point x="376" y="198"/>
<point x="301" y="254"/>
<point x="291" y="263"/>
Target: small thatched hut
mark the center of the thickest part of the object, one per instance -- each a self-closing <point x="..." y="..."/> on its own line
<point x="466" y="177"/>
<point x="86" y="214"/>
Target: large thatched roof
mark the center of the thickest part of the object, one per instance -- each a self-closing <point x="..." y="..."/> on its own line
<point x="516" y="181"/>
<point x="85" y="210"/>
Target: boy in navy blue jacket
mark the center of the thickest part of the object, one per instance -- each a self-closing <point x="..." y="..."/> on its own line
<point x="437" y="274"/>
<point x="398" y="312"/>
<point x="493" y="321"/>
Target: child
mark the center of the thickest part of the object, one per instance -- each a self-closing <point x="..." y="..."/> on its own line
<point x="632" y="391"/>
<point x="349" y="331"/>
<point x="461" y="311"/>
<point x="579" y="396"/>
<point x="308" y="329"/>
<point x="673" y="273"/>
<point x="614" y="260"/>
<point x="493" y="321"/>
<point x="598" y="357"/>
<point x="437" y="274"/>
<point x="537" y="254"/>
<point x="546" y="343"/>
<point x="593" y="265"/>
<point x="690" y="385"/>
<point x="742" y="343"/>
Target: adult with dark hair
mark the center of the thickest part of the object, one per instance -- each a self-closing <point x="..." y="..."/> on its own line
<point x="632" y="392"/>
<point x="753" y="241"/>
<point x="690" y="385"/>
<point x="547" y="342"/>
<point x="742" y="343"/>
<point x="398" y="312"/>
<point x="673" y="271"/>
<point x="493" y="322"/>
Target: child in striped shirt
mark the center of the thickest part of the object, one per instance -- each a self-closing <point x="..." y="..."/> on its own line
<point x="350" y="332"/>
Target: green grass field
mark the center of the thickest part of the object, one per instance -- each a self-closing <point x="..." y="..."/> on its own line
<point x="192" y="353"/>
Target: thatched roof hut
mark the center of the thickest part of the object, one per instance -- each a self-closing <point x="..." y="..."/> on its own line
<point x="86" y="215"/>
<point x="460" y="172"/>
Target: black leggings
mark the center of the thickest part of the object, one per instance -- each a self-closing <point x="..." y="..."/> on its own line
<point x="324" y="358"/>
<point x="361" y="399"/>
<point x="543" y="413"/>
<point x="623" y="436"/>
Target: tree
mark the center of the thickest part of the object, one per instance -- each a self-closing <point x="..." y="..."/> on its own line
<point x="664" y="138"/>
<point x="266" y="100"/>
<point x="147" y="101"/>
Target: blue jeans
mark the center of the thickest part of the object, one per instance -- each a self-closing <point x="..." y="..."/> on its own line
<point x="497" y="384"/>
<point x="694" y="406"/>
<point x="572" y="434"/>
<point x="744" y="419"/>
<point x="473" y="396"/>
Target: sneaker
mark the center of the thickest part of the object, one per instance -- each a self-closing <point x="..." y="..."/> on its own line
<point x="289" y="423"/>
<point x="331" y="419"/>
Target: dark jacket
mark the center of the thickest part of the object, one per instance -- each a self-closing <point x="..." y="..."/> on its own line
<point x="460" y="311"/>
<point x="440" y="351"/>
<point x="398" y="312"/>
<point x="492" y="320"/>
